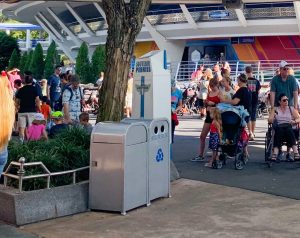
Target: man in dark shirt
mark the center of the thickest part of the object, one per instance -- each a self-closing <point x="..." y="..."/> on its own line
<point x="54" y="90"/>
<point x="28" y="101"/>
<point x="254" y="87"/>
<point x="35" y="84"/>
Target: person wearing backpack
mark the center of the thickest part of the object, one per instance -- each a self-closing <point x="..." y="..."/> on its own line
<point x="53" y="88"/>
<point x="72" y="100"/>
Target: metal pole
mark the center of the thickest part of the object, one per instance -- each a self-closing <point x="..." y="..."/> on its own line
<point x="74" y="177"/>
<point x="48" y="181"/>
<point x="258" y="71"/>
<point x="21" y="173"/>
<point x="236" y="70"/>
<point x="177" y="71"/>
<point x="5" y="181"/>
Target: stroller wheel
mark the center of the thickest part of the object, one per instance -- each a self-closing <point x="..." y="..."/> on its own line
<point x="239" y="161"/>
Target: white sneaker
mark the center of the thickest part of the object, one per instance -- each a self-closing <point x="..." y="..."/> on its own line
<point x="198" y="158"/>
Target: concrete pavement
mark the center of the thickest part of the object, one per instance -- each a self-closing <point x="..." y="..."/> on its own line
<point x="281" y="179"/>
<point x="197" y="208"/>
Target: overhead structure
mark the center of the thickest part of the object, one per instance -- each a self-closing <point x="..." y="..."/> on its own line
<point x="168" y="22"/>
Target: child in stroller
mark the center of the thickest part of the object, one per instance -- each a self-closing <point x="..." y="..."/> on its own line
<point x="234" y="139"/>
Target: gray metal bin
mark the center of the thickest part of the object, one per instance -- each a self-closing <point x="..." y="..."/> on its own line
<point x="158" y="157"/>
<point x="118" y="169"/>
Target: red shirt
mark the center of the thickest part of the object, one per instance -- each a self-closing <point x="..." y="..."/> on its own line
<point x="213" y="128"/>
<point x="45" y="110"/>
<point x="214" y="99"/>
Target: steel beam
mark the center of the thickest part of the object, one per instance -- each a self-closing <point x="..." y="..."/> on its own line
<point x="64" y="27"/>
<point x="79" y="19"/>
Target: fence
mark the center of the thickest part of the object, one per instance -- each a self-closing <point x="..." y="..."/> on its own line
<point x="263" y="70"/>
<point x="21" y="173"/>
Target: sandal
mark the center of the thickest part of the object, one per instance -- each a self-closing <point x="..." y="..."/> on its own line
<point x="296" y="156"/>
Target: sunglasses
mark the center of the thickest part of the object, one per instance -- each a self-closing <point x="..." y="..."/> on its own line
<point x="286" y="68"/>
<point x="285" y="100"/>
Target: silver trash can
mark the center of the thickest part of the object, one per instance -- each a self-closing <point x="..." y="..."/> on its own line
<point x="118" y="166"/>
<point x="158" y="157"/>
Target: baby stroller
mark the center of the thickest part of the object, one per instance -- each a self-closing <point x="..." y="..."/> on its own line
<point x="269" y="140"/>
<point x="231" y="145"/>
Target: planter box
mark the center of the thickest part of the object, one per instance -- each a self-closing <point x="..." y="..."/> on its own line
<point x="33" y="206"/>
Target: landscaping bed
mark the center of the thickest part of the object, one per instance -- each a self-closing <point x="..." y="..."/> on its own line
<point x="68" y="151"/>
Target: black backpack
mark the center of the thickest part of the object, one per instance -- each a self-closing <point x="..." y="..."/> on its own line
<point x="58" y="104"/>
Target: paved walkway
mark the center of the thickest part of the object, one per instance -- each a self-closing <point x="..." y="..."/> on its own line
<point x="197" y="208"/>
<point x="280" y="180"/>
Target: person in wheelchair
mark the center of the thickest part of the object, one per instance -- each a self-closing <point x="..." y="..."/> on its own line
<point x="284" y="119"/>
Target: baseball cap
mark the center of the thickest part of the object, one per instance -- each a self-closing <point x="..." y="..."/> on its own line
<point x="39" y="117"/>
<point x="283" y="64"/>
<point x="57" y="114"/>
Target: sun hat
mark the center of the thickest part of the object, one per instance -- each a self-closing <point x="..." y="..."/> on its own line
<point x="39" y="117"/>
<point x="57" y="114"/>
<point x="283" y="64"/>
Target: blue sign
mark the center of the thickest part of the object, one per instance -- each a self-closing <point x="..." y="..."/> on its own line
<point x="159" y="155"/>
<point x="218" y="14"/>
<point x="243" y="40"/>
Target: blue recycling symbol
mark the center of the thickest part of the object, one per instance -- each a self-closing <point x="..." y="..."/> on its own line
<point x="159" y="155"/>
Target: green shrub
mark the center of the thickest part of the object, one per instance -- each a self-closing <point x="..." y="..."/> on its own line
<point x="69" y="150"/>
<point x="14" y="60"/>
<point x="98" y="62"/>
<point x="51" y="60"/>
<point x="37" y="62"/>
<point x="83" y="68"/>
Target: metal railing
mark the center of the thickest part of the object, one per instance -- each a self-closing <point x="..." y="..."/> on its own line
<point x="263" y="70"/>
<point x="47" y="174"/>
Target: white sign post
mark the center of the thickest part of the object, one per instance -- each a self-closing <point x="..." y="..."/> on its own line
<point x="151" y="87"/>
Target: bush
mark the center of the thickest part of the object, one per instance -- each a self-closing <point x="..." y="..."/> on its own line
<point x="69" y="150"/>
<point x="37" y="62"/>
<point x="83" y="64"/>
<point x="14" y="60"/>
<point x="51" y="60"/>
<point x="23" y="61"/>
<point x="7" y="46"/>
<point x="28" y="60"/>
<point x="98" y="62"/>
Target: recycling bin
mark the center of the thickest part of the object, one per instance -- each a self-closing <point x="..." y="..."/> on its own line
<point x="158" y="157"/>
<point x="118" y="166"/>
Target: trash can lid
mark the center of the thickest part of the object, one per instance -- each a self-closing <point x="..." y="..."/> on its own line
<point x="119" y="133"/>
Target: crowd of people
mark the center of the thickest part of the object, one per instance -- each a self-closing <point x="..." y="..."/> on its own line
<point x="215" y="86"/>
<point x="39" y="110"/>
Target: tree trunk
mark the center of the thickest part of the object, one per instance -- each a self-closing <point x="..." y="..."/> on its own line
<point x="125" y="21"/>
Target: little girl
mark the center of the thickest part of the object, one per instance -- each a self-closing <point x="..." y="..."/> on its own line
<point x="215" y="135"/>
<point x="37" y="130"/>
